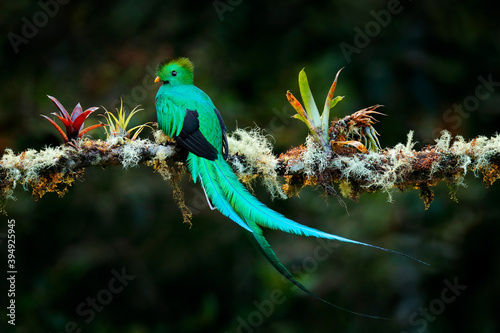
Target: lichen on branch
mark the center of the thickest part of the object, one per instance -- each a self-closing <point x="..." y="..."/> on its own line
<point x="54" y="169"/>
<point x="400" y="167"/>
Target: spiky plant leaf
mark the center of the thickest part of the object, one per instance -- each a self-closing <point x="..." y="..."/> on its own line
<point x="73" y="123"/>
<point x="330" y="102"/>
<point x="308" y="99"/>
<point x="118" y="124"/>
<point x="61" y="132"/>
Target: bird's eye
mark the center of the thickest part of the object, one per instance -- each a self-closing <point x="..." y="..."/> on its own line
<point x="174" y="73"/>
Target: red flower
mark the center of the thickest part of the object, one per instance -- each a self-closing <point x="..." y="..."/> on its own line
<point x="74" y="123"/>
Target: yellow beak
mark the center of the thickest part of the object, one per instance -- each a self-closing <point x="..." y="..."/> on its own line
<point x="157" y="79"/>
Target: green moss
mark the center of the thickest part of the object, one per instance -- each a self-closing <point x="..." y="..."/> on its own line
<point x="345" y="188"/>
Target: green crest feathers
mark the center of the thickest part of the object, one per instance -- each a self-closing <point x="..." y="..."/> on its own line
<point x="183" y="62"/>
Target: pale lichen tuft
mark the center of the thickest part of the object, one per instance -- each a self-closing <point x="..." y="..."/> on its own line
<point x="257" y="150"/>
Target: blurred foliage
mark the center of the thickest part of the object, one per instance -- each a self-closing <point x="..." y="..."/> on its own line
<point x="208" y="278"/>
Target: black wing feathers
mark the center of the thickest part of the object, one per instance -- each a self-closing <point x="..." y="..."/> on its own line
<point x="225" y="150"/>
<point x="193" y="140"/>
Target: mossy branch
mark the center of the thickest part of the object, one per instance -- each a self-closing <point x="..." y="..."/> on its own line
<point x="54" y="169"/>
<point x="400" y="167"/>
<point x="330" y="156"/>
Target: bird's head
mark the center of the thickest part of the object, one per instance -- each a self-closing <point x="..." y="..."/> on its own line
<point x="175" y="72"/>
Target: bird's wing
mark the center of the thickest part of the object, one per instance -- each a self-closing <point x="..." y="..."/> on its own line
<point x="178" y="117"/>
<point x="170" y="114"/>
<point x="225" y="148"/>
<point x="193" y="140"/>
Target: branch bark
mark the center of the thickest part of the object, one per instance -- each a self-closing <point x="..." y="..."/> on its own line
<point x="54" y="169"/>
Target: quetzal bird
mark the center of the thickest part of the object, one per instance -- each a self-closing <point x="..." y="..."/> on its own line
<point x="188" y="115"/>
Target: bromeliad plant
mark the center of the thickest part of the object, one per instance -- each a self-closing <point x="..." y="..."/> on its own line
<point x="360" y="122"/>
<point x="73" y="123"/>
<point x="318" y="125"/>
<point x="118" y="125"/>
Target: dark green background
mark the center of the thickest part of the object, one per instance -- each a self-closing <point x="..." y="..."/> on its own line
<point x="209" y="278"/>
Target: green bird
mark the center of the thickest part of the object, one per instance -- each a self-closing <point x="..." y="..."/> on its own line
<point x="188" y="115"/>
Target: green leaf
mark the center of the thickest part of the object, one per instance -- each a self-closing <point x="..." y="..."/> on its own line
<point x="334" y="101"/>
<point x="330" y="102"/>
<point x="299" y="117"/>
<point x="308" y="99"/>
